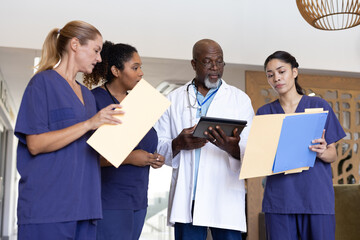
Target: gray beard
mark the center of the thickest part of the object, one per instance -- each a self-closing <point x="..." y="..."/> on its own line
<point x="209" y="84"/>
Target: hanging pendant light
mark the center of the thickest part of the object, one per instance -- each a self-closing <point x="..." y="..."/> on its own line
<point x="330" y="14"/>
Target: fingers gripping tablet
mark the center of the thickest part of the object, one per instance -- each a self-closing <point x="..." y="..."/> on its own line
<point x="227" y="125"/>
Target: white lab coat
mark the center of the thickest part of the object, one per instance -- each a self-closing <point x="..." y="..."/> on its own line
<point x="220" y="195"/>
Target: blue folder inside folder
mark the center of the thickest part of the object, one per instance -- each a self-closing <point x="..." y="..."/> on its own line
<point x="296" y="135"/>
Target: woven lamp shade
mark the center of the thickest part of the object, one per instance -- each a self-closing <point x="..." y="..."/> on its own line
<point x="330" y="14"/>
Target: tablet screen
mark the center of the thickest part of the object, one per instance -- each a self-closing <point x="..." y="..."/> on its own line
<point x="227" y="125"/>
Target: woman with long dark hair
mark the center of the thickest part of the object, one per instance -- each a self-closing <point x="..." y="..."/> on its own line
<point x="300" y="205"/>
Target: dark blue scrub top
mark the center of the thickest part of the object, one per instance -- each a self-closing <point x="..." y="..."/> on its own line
<point x="125" y="187"/>
<point x="309" y="192"/>
<point x="63" y="185"/>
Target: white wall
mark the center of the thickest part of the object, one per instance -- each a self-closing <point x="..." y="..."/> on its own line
<point x="164" y="31"/>
<point x="248" y="30"/>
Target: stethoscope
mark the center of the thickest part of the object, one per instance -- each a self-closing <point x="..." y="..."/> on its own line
<point x="197" y="105"/>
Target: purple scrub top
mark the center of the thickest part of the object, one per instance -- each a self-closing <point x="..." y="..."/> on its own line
<point x="63" y="185"/>
<point x="309" y="192"/>
<point x="125" y="187"/>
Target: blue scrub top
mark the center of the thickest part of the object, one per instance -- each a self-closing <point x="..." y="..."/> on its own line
<point x="125" y="187"/>
<point x="309" y="192"/>
<point x="204" y="104"/>
<point x="63" y="185"/>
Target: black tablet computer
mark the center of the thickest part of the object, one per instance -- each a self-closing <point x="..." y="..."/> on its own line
<point x="227" y="125"/>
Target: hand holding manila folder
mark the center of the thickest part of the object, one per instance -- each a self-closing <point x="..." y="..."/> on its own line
<point x="279" y="143"/>
<point x="143" y="106"/>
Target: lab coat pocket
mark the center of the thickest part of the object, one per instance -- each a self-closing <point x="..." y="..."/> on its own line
<point x="188" y="117"/>
<point x="232" y="178"/>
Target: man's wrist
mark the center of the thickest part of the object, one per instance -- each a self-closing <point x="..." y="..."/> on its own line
<point x="235" y="153"/>
<point x="174" y="148"/>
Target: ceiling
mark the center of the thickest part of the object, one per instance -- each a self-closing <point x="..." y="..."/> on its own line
<point x="164" y="32"/>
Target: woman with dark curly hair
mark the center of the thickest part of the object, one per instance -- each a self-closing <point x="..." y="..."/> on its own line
<point x="124" y="189"/>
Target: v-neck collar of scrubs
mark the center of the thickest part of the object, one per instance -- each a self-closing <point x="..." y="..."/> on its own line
<point x="73" y="92"/>
<point x="204" y="102"/>
<point x="298" y="107"/>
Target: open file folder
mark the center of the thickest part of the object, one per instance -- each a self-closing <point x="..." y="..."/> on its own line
<point x="143" y="106"/>
<point x="279" y="143"/>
